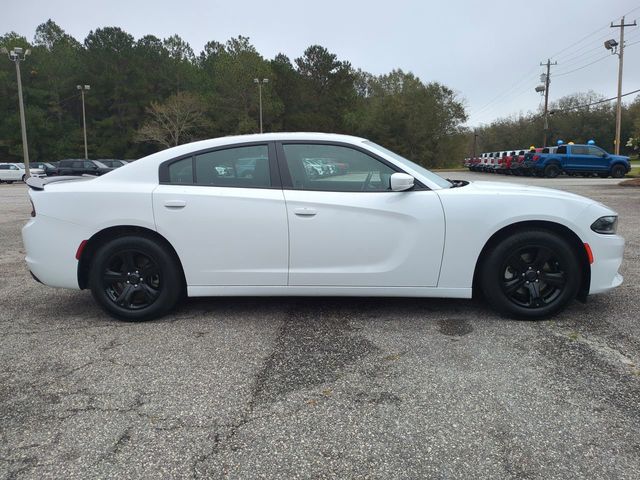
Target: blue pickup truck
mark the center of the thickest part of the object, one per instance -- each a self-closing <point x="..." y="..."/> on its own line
<point x="576" y="159"/>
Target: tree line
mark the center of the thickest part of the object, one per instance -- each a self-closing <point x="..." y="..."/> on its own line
<point x="569" y="121"/>
<point x="152" y="93"/>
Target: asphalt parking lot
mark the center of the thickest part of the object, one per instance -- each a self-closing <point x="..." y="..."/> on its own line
<point x="319" y="388"/>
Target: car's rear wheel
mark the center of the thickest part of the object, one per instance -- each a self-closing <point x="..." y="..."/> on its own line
<point x="135" y="278"/>
<point x="551" y="171"/>
<point x="618" y="171"/>
<point x="531" y="274"/>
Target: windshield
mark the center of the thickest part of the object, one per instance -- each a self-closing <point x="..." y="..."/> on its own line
<point x="437" y="179"/>
<point x="99" y="164"/>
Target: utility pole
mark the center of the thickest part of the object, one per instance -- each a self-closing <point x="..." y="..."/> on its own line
<point x="84" y="88"/>
<point x="620" y="61"/>
<point x="547" y="81"/>
<point x="260" y="83"/>
<point x="17" y="55"/>
<point x="475" y="143"/>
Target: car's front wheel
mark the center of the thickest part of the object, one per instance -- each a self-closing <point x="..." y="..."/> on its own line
<point x="618" y="171"/>
<point x="531" y="274"/>
<point x="135" y="278"/>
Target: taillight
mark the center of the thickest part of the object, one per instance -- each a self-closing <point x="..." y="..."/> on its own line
<point x="536" y="157"/>
<point x="33" y="208"/>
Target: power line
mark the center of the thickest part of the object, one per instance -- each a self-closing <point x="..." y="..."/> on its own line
<point x="552" y="112"/>
<point x="632" y="10"/>
<point x="586" y="55"/>
<point x="504" y="93"/>
<point x="583" y="66"/>
<point x="579" y="41"/>
<point x="576" y="107"/>
<point x="569" y="56"/>
<point x="556" y="55"/>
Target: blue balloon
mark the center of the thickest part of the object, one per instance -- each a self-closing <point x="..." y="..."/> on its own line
<point x="560" y="142"/>
<point x="591" y="142"/>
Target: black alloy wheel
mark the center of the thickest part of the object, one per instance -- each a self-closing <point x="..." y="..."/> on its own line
<point x="131" y="279"/>
<point x="532" y="277"/>
<point x="551" y="171"/>
<point x="135" y="278"/>
<point x="618" y="171"/>
<point x="531" y="274"/>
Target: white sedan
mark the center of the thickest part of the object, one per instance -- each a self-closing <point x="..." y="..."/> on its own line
<point x="170" y="224"/>
<point x="16" y="172"/>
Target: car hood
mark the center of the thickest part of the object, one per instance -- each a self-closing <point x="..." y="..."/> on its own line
<point x="619" y="157"/>
<point x="509" y="189"/>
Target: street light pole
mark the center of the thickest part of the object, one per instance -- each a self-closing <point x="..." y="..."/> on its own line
<point x="260" y="83"/>
<point x="17" y="55"/>
<point x="84" y="88"/>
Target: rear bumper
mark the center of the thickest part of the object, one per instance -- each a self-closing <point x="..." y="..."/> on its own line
<point x="51" y="247"/>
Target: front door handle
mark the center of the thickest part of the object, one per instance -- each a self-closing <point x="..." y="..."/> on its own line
<point x="175" y="204"/>
<point x="305" y="211"/>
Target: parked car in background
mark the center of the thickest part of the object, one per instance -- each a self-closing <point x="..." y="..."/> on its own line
<point x="82" y="167"/>
<point x="314" y="168"/>
<point x="516" y="166"/>
<point x="389" y="228"/>
<point x="113" y="163"/>
<point x="16" y="172"/>
<point x="49" y="168"/>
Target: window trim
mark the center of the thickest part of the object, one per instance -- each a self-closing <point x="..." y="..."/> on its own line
<point x="274" y="174"/>
<point x="287" y="181"/>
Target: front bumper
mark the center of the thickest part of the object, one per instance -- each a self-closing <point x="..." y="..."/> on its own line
<point x="608" y="251"/>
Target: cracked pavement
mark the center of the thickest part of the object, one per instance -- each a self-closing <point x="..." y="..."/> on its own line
<point x="319" y="387"/>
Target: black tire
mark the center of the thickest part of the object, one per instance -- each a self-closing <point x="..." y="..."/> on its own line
<point x="530" y="275"/>
<point x="24" y="177"/>
<point x="9" y="182"/>
<point x="551" y="171"/>
<point x="618" y="171"/>
<point x="135" y="278"/>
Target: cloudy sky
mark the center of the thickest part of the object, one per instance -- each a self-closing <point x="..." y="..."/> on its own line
<point x="488" y="52"/>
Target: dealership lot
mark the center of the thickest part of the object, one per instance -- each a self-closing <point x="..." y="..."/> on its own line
<point x="314" y="387"/>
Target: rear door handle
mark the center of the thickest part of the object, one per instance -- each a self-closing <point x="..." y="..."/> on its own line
<point x="175" y="204"/>
<point x="305" y="211"/>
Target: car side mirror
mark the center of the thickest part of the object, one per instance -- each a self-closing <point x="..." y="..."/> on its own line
<point x="401" y="182"/>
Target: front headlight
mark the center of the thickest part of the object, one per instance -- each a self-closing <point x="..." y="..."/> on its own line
<point x="606" y="225"/>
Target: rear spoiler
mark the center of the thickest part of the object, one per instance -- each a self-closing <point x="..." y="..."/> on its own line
<point x="38" y="183"/>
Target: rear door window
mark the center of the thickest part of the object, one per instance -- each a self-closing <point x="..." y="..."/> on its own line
<point x="579" y="150"/>
<point x="234" y="167"/>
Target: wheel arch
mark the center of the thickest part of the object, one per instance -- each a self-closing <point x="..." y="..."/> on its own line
<point x="562" y="230"/>
<point x="107" y="234"/>
<point x="616" y="163"/>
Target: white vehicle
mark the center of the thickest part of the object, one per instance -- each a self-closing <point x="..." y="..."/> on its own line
<point x="15" y="172"/>
<point x="168" y="224"/>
